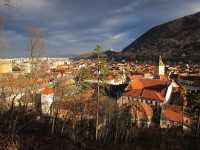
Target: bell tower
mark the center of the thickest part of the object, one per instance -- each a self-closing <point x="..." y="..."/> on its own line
<point x="161" y="67"/>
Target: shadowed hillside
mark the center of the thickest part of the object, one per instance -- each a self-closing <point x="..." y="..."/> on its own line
<point x="178" y="40"/>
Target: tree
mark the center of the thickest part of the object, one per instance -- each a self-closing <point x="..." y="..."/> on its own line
<point x="102" y="65"/>
<point x="36" y="44"/>
<point x="84" y="73"/>
<point x="195" y="99"/>
<point x="102" y="72"/>
<point x="97" y="51"/>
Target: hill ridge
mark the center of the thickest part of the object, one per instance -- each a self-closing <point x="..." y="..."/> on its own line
<point x="176" y="40"/>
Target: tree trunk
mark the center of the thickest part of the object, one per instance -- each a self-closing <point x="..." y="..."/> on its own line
<point x="97" y="114"/>
<point x="98" y="97"/>
<point x="198" y="124"/>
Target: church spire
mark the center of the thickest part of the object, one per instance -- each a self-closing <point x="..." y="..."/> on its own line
<point x="161" y="67"/>
<point x="161" y="61"/>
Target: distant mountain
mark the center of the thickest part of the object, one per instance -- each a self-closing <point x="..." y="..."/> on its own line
<point x="109" y="54"/>
<point x="88" y="55"/>
<point x="178" y="40"/>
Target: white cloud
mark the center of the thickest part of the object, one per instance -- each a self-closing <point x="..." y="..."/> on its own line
<point x="195" y="7"/>
<point x="79" y="25"/>
<point x="111" y="41"/>
<point x="119" y="36"/>
<point x="112" y="21"/>
<point x="128" y="8"/>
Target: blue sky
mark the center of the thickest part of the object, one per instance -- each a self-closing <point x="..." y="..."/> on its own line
<point x="77" y="26"/>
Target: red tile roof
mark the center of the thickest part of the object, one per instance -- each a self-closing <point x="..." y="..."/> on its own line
<point x="47" y="91"/>
<point x="172" y="114"/>
<point x="133" y="93"/>
<point x="151" y="89"/>
<point x="152" y="95"/>
<point x="147" y="94"/>
<point x="164" y="78"/>
<point x="146" y="83"/>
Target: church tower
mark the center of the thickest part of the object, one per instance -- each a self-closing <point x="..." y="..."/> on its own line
<point x="161" y="67"/>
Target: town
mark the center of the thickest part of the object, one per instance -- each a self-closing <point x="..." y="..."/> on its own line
<point x="99" y="75"/>
<point x="154" y="95"/>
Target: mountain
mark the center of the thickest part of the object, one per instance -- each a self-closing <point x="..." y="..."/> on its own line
<point x="177" y="40"/>
<point x="109" y="54"/>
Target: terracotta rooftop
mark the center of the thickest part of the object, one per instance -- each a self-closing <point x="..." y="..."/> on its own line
<point x="17" y="83"/>
<point x="134" y="93"/>
<point x="47" y="91"/>
<point x="173" y="114"/>
<point x="164" y="78"/>
<point x="147" y="83"/>
<point x="153" y="95"/>
<point x="147" y="94"/>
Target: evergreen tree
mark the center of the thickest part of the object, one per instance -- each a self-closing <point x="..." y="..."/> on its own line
<point x="83" y="74"/>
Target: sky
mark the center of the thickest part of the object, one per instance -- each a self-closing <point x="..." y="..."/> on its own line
<point x="77" y="26"/>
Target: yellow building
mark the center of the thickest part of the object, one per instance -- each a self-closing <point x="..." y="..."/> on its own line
<point x="5" y="67"/>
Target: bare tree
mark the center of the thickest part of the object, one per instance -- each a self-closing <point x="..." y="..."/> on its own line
<point x="97" y="51"/>
<point x="36" y="44"/>
<point x="102" y="72"/>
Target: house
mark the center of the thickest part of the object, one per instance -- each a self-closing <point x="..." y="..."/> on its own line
<point x="173" y="116"/>
<point x="149" y="91"/>
<point x="142" y="113"/>
<point x="47" y="96"/>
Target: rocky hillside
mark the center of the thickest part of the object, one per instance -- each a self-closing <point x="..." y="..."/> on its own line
<point x="178" y="40"/>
